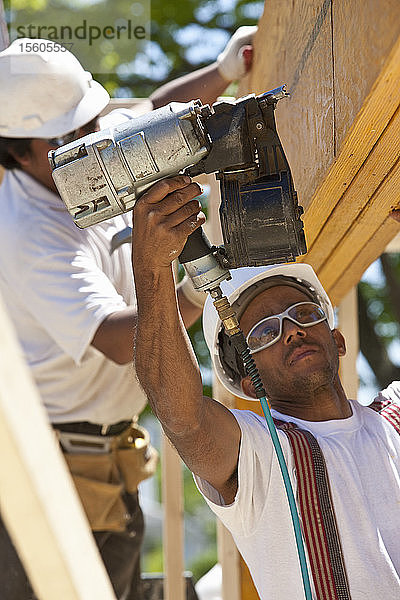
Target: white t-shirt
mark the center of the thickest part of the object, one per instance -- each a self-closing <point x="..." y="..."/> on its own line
<point x="362" y="455"/>
<point x="59" y="283"/>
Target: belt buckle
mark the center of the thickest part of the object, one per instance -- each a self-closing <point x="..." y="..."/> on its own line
<point x="104" y="429"/>
<point x="80" y="443"/>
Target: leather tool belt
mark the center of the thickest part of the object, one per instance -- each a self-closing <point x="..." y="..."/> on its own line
<point x="103" y="467"/>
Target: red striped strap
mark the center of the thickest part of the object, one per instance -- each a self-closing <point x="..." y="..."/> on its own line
<point x="389" y="410"/>
<point x="319" y="526"/>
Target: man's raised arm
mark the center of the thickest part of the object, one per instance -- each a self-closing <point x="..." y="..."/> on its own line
<point x="203" y="431"/>
<point x="210" y="82"/>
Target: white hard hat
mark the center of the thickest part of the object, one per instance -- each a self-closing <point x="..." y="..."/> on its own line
<point x="243" y="279"/>
<point x="45" y="93"/>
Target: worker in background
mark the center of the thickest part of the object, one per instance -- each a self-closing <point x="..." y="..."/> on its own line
<point x="72" y="302"/>
<point x="346" y="472"/>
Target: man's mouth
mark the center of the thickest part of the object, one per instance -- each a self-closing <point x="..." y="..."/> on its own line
<point x="300" y="353"/>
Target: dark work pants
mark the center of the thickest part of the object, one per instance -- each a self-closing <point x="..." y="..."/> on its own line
<point x="120" y="553"/>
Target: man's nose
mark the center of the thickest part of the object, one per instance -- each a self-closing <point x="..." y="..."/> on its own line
<point x="291" y="331"/>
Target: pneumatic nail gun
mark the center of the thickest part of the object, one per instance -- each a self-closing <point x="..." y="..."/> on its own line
<point x="102" y="175"/>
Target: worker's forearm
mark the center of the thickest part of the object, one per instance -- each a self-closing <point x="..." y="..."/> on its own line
<point x="210" y="82"/>
<point x="206" y="84"/>
<point x="165" y="363"/>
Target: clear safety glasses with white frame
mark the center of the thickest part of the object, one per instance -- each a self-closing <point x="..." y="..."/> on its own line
<point x="269" y="330"/>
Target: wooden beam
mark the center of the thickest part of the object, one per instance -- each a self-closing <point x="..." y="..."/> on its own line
<point x="359" y="236"/>
<point x="4" y="38"/>
<point x="367" y="255"/>
<point x="357" y="197"/>
<point x="230" y="560"/>
<point x="172" y="498"/>
<point x="228" y="555"/>
<point x="348" y="325"/>
<point x="38" y="501"/>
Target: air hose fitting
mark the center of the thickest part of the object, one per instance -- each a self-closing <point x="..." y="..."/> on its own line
<point x="232" y="328"/>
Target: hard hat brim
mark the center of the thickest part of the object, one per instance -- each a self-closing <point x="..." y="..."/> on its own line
<point x="94" y="101"/>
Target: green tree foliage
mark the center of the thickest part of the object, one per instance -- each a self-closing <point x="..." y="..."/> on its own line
<point x="184" y="36"/>
<point x="188" y="35"/>
<point x="180" y="36"/>
<point x="379" y="321"/>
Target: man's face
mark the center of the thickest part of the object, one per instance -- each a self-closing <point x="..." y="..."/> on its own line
<point x="36" y="163"/>
<point x="304" y="358"/>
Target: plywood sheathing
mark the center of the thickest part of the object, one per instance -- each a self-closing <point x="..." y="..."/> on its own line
<point x="347" y="220"/>
<point x="340" y="129"/>
<point x="293" y="46"/>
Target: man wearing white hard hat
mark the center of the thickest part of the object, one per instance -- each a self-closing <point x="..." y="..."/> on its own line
<point x="72" y="302"/>
<point x="343" y="458"/>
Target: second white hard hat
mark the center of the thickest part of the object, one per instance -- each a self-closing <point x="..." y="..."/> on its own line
<point x="45" y="93"/>
<point x="242" y="280"/>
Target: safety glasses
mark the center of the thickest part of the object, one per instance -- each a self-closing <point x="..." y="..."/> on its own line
<point x="269" y="330"/>
<point x="64" y="139"/>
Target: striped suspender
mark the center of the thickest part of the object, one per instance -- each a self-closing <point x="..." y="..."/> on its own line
<point x="316" y="507"/>
<point x="317" y="515"/>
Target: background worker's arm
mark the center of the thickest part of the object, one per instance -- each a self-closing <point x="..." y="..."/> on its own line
<point x="210" y="82"/>
<point x="206" y="84"/>
<point x="204" y="432"/>
<point x="114" y="336"/>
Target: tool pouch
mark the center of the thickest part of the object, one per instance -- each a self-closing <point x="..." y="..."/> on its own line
<point x="135" y="456"/>
<point x="99" y="486"/>
<point x="101" y="478"/>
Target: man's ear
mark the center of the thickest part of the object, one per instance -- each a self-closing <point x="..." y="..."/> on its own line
<point x="340" y="341"/>
<point x="248" y="387"/>
<point x="22" y="159"/>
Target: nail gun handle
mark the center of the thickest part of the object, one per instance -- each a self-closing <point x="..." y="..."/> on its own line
<point x="197" y="245"/>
